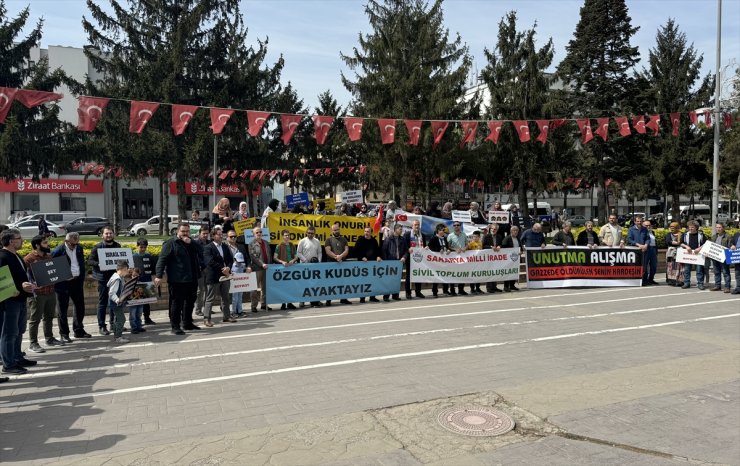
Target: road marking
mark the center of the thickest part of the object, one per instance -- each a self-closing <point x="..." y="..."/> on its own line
<point x="348" y="362"/>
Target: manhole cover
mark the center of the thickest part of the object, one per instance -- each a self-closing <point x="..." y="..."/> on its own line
<point x="477" y="421"/>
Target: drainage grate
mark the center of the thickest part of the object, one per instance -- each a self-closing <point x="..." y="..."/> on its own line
<point x="476" y="421"/>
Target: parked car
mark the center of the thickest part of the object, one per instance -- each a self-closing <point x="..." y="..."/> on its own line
<point x="622" y="219"/>
<point x="30" y="228"/>
<point x="151" y="227"/>
<point x="87" y="225"/>
<point x="60" y="218"/>
<point x="577" y="220"/>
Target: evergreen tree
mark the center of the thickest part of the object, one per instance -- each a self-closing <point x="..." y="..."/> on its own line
<point x="408" y="67"/>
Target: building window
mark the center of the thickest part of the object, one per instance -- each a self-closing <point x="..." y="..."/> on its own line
<point x="27" y="202"/>
<point x="196" y="203"/>
<point x="69" y="202"/>
<point x="138" y="203"/>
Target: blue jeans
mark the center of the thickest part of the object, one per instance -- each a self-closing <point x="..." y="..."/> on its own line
<point x="11" y="335"/>
<point x="134" y="317"/>
<point x="236" y="299"/>
<point x="687" y="274"/>
<point x="721" y="270"/>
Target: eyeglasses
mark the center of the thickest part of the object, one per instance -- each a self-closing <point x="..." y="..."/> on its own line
<point x="455" y="224"/>
<point x="232" y="236"/>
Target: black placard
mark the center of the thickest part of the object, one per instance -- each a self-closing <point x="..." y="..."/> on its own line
<point x="51" y="271"/>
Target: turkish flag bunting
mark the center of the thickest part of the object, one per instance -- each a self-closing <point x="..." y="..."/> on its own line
<point x="675" y="122"/>
<point x="708" y="118"/>
<point x="602" y="127"/>
<point x="654" y="124"/>
<point x="233" y="173"/>
<point x="289" y="123"/>
<point x="317" y="171"/>
<point x="256" y="121"/>
<point x="31" y="98"/>
<point x="262" y="174"/>
<point x="555" y="124"/>
<point x="219" y="118"/>
<point x="362" y="169"/>
<point x="327" y="171"/>
<point x="351" y="170"/>
<point x="470" y="129"/>
<point x="341" y="170"/>
<point x="295" y="173"/>
<point x="623" y="124"/>
<point x="354" y="127"/>
<point x="181" y="117"/>
<point x="244" y="174"/>
<point x="88" y="168"/>
<point x="7" y="94"/>
<point x="585" y="126"/>
<point x="286" y="172"/>
<point x="522" y="127"/>
<point x="544" y="127"/>
<point x="253" y="175"/>
<point x="99" y="170"/>
<point x="639" y="123"/>
<point x="693" y="118"/>
<point x="223" y="175"/>
<point x="89" y="112"/>
<point x="75" y="166"/>
<point x="387" y="130"/>
<point x="321" y="126"/>
<point x="414" y="129"/>
<point x="438" y="130"/>
<point x="728" y="120"/>
<point x="495" y="130"/>
<point x="140" y="114"/>
<point x="119" y="172"/>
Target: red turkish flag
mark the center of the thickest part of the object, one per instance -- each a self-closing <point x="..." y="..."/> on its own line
<point x="31" y="98"/>
<point x="470" y="129"/>
<point x="414" y="129"/>
<point x="387" y="130"/>
<point x="321" y="126"/>
<point x="555" y="124"/>
<point x="295" y="172"/>
<point x="544" y="127"/>
<point x="223" y="174"/>
<point x="585" y="126"/>
<point x="219" y="118"/>
<point x="289" y="123"/>
<point x="244" y="174"/>
<point x="140" y="114"/>
<point x="639" y="123"/>
<point x="99" y="170"/>
<point x="256" y="121"/>
<point x="675" y="122"/>
<point x="7" y="94"/>
<point x="317" y="171"/>
<point x="438" y="130"/>
<point x="728" y="120"/>
<point x="623" y="124"/>
<point x="89" y="112"/>
<point x="363" y="168"/>
<point x="708" y="118"/>
<point x="119" y="172"/>
<point x="379" y="219"/>
<point x="522" y="127"/>
<point x="354" y="127"/>
<point x="181" y="117"/>
<point x="253" y="175"/>
<point x="327" y="171"/>
<point x="351" y="170"/>
<point x="495" y="130"/>
<point x="654" y="124"/>
<point x="692" y="117"/>
<point x="88" y="168"/>
<point x="602" y="127"/>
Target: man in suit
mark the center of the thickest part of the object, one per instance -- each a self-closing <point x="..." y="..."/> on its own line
<point x="200" y="243"/>
<point x="259" y="255"/>
<point x="218" y="261"/>
<point x="71" y="289"/>
<point x="395" y="248"/>
<point x="414" y="239"/>
<point x="637" y="235"/>
<point x="438" y="243"/>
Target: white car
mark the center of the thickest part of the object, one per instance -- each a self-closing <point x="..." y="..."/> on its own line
<point x="30" y="228"/>
<point x="151" y="227"/>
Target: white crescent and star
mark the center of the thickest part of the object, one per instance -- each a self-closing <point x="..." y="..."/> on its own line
<point x="144" y="111"/>
<point x="292" y="125"/>
<point x="392" y="128"/>
<point x="190" y="115"/>
<point x="4" y="99"/>
<point x="524" y="127"/>
<point x="357" y="125"/>
<point x="325" y="125"/>
<point x="257" y="120"/>
<point x="498" y="129"/>
<point x="224" y="117"/>
<point x="416" y="129"/>
<point x="91" y="108"/>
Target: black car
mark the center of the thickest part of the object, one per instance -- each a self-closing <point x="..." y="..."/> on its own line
<point x="87" y="225"/>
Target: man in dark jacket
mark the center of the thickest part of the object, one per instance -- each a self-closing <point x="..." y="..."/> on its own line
<point x="367" y="249"/>
<point x="438" y="243"/>
<point x="395" y="248"/>
<point x="71" y="289"/>
<point x="415" y="240"/>
<point x="218" y="261"/>
<point x="492" y="240"/>
<point x="179" y="258"/>
<point x="102" y="277"/>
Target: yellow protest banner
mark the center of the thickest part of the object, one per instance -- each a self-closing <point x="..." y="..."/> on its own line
<point x="330" y="204"/>
<point x="351" y="227"/>
<point x="246" y="224"/>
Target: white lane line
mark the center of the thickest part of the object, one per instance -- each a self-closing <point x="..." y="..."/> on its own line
<point x="348" y="362"/>
<point x="375" y="322"/>
<point x="35" y="375"/>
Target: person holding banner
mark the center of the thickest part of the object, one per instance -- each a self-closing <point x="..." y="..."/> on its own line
<point x="734" y="246"/>
<point x="692" y="242"/>
<point x="532" y="238"/>
<point x="272" y="207"/>
<point x="651" y="253"/>
<point x="438" y="243"/>
<point x="674" y="269"/>
<point x="415" y="239"/>
<point x="367" y="249"/>
<point x="476" y="216"/>
<point x="564" y="237"/>
<point x="259" y="256"/>
<point x="458" y="242"/>
<point x="336" y="249"/>
<point x="492" y="240"/>
<point x="611" y="233"/>
<point x="42" y="305"/>
<point x="637" y="236"/>
<point x="239" y="266"/>
<point x="285" y="254"/>
<point x="144" y="263"/>
<point x="71" y="289"/>
<point x="102" y="277"/>
<point x="588" y="237"/>
<point x="720" y="268"/>
<point x="395" y="248"/>
<point x="222" y="212"/>
<point x="218" y="261"/>
<point x="309" y="252"/>
<point x="512" y="241"/>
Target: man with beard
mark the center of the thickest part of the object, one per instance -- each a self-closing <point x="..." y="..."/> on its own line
<point x="336" y="249"/>
<point x="395" y="248"/>
<point x="71" y="289"/>
<point x="492" y="240"/>
<point x="309" y="252"/>
<point x="438" y="243"/>
<point x="42" y="305"/>
<point x="102" y="277"/>
<point x="260" y="258"/>
<point x="179" y="258"/>
<point x="414" y="239"/>
<point x="512" y="241"/>
<point x="367" y="249"/>
<point x="200" y="242"/>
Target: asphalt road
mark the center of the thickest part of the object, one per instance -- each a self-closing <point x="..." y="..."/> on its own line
<point x="590" y="376"/>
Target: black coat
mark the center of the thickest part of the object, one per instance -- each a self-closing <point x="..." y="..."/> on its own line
<point x="60" y="251"/>
<point x="100" y="275"/>
<point x="435" y="244"/>
<point x="179" y="260"/>
<point x="215" y="261"/>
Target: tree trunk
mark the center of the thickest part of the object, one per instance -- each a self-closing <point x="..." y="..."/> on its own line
<point x="601" y="206"/>
<point x="164" y="213"/>
<point x="522" y="197"/>
<point x="115" y="208"/>
<point x="181" y="200"/>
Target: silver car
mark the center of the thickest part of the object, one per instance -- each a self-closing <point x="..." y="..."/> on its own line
<point x="30" y="228"/>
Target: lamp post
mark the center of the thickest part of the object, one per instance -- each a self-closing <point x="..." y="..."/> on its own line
<point x="717" y="120"/>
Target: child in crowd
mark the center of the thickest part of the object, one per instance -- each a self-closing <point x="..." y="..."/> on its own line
<point x="145" y="262"/>
<point x="386" y="231"/>
<point x="238" y="267"/>
<point x="135" y="311"/>
<point x="118" y="300"/>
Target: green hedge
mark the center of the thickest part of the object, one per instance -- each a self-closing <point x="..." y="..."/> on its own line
<point x="88" y="245"/>
<point x="660" y="233"/>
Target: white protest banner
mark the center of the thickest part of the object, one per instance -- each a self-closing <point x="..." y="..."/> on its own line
<point x="352" y="197"/>
<point x="713" y="250"/>
<point x="107" y="257"/>
<point x="476" y="266"/>
<point x="684" y="257"/>
<point x="243" y="282"/>
<point x="461" y="216"/>
<point x="499" y="216"/>
<point x="406" y="220"/>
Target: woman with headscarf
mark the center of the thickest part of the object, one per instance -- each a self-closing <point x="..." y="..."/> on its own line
<point x="476" y="216"/>
<point x="222" y="212"/>
<point x="243" y="212"/>
<point x="447" y="211"/>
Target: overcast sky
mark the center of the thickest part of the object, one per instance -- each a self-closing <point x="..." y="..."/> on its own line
<point x="311" y="33"/>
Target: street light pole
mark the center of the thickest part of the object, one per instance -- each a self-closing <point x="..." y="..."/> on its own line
<point x="215" y="167"/>
<point x="717" y="121"/>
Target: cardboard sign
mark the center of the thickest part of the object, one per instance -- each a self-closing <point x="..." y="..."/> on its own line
<point x="249" y="235"/>
<point x="461" y="216"/>
<point x="52" y="271"/>
<point x="299" y="198"/>
<point x="684" y="257"/>
<point x="352" y="197"/>
<point x="107" y="257"/>
<point x="240" y="226"/>
<point x="243" y="282"/>
<point x="330" y="204"/>
<point x="502" y="217"/>
<point x="7" y="285"/>
<point x="142" y="293"/>
<point x="713" y="250"/>
<point x="128" y="289"/>
<point x="732" y="257"/>
<point x="195" y="226"/>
